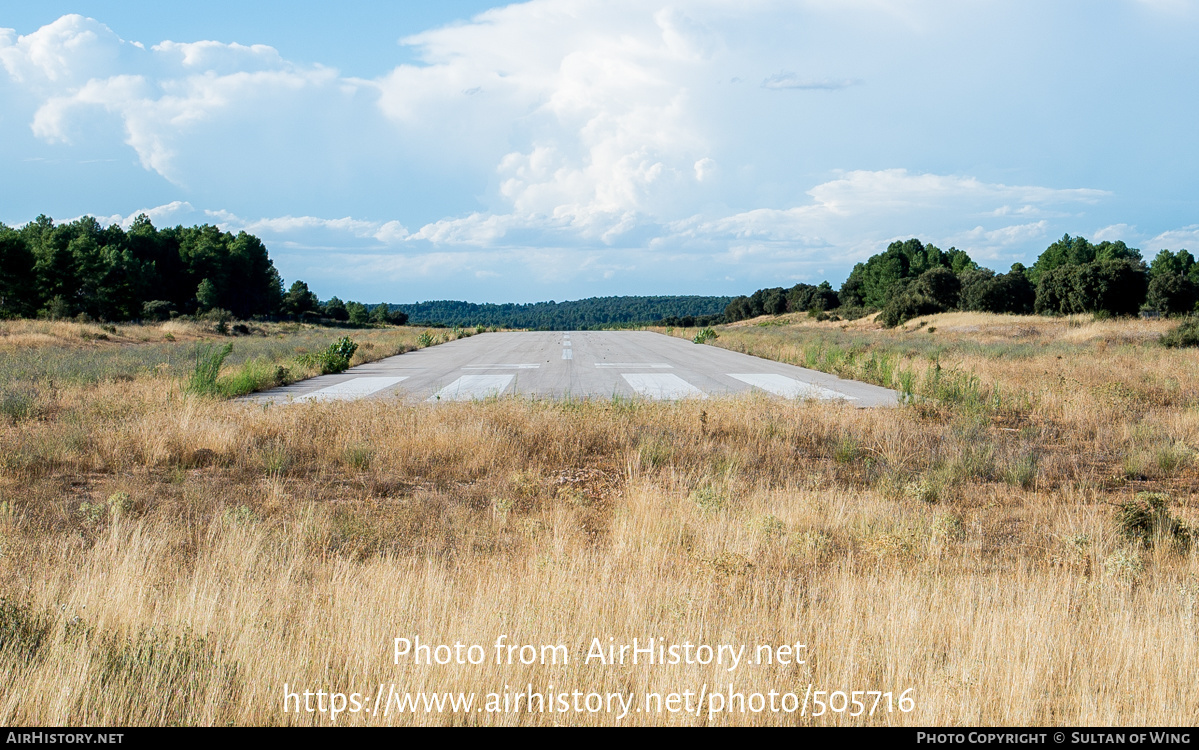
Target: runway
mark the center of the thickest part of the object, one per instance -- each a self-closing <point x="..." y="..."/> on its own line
<point x="579" y="365"/>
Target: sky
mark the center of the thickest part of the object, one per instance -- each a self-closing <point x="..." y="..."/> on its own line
<point x="560" y="149"/>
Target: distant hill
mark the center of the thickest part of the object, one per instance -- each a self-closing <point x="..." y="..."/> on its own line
<point x="593" y="312"/>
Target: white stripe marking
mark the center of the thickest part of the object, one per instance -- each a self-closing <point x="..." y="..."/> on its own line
<point x="656" y="366"/>
<point x="567" y="354"/>
<point x="566" y="343"/>
<point x="661" y="385"/>
<point x="350" y="389"/>
<point x="781" y="385"/>
<point x="469" y="387"/>
<point x="501" y="367"/>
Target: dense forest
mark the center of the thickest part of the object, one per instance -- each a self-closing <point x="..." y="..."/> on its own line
<point x="1073" y="275"/>
<point x="80" y="269"/>
<point x="593" y="312"/>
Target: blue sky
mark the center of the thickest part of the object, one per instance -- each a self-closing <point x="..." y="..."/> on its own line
<point x="559" y="149"/>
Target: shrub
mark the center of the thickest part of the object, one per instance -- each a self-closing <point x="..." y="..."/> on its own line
<point x="156" y="310"/>
<point x="1184" y="334"/>
<point x="1172" y="294"/>
<point x="335" y="359"/>
<point x="19" y="402"/>
<point x="704" y="336"/>
<point x="903" y="307"/>
<point x="1146" y="519"/>
<point x="984" y="291"/>
<point x="940" y="286"/>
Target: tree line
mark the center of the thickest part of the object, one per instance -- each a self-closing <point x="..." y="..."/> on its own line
<point x="80" y="268"/>
<point x="1072" y="275"/>
<point x="584" y="314"/>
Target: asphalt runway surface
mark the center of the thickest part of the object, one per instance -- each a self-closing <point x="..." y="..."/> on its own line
<point x="576" y="365"/>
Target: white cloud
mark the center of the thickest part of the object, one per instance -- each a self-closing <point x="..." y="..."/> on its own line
<point x="1183" y="238"/>
<point x="77" y="65"/>
<point x="67" y="52"/>
<point x="600" y="95"/>
<point x="1116" y="232"/>
<point x="788" y="80"/>
<point x="886" y="201"/>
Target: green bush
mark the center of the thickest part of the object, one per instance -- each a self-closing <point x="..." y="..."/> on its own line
<point x="704" y="336"/>
<point x="1184" y="334"/>
<point x="1172" y="294"/>
<point x="903" y="307"/>
<point x="333" y="360"/>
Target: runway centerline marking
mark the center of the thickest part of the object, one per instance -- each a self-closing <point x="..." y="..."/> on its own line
<point x="655" y="365"/>
<point x="349" y="389"/>
<point x="661" y="386"/>
<point x="500" y="367"/>
<point x="781" y="385"/>
<point x="567" y="354"/>
<point x="470" y="387"/>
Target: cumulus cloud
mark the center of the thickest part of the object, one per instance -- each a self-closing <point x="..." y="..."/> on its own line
<point x="601" y="96"/>
<point x="78" y="66"/>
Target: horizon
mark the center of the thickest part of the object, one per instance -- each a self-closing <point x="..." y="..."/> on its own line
<point x="575" y="149"/>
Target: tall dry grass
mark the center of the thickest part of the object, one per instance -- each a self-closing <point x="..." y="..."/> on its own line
<point x="169" y="559"/>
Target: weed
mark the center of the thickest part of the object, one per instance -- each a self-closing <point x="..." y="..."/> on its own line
<point x="768" y="526"/>
<point x="1022" y="471"/>
<point x="709" y="498"/>
<point x="240" y="515"/>
<point x="276" y="458"/>
<point x="1146" y="520"/>
<point x="209" y="360"/>
<point x="925" y="490"/>
<point x="359" y="456"/>
<point x="654" y="453"/>
<point x="704" y="336"/>
<point x="19" y="402"/>
<point x="847" y="450"/>
<point x="22" y="631"/>
<point x="1125" y="565"/>
<point x="812" y="544"/>
<point x="947" y="526"/>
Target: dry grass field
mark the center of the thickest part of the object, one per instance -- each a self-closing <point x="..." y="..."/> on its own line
<point x="1011" y="546"/>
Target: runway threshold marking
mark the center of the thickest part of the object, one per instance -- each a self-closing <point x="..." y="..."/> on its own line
<point x="661" y="386"/>
<point x="567" y="354"/>
<point x="355" y="388"/>
<point x="470" y="387"/>
<point x="781" y="385"/>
